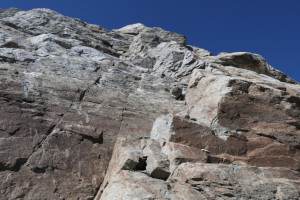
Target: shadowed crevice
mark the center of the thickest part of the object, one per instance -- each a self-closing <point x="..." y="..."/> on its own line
<point x="16" y="167"/>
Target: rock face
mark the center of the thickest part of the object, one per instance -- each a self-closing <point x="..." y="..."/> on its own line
<point x="136" y="113"/>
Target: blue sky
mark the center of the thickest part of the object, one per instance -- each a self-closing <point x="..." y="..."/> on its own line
<point x="267" y="27"/>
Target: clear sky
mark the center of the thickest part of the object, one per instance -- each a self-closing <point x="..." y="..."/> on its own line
<point x="267" y="27"/>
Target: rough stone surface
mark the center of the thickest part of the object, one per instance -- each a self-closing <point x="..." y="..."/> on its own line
<point x="219" y="181"/>
<point x="136" y="113"/>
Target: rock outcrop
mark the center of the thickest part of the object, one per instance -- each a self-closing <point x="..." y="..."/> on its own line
<point x="136" y="113"/>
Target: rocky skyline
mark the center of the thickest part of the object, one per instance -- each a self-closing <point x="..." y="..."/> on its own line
<point x="137" y="113"/>
<point x="263" y="27"/>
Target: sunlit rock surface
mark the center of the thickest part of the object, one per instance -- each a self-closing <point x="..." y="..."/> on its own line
<point x="136" y="113"/>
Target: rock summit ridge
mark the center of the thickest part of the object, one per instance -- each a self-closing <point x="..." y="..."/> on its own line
<point x="137" y="113"/>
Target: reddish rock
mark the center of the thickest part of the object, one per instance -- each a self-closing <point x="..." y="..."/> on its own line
<point x="135" y="113"/>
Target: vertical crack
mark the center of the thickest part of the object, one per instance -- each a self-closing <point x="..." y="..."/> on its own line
<point x="82" y="94"/>
<point x="52" y="127"/>
<point x="99" y="192"/>
<point x="121" y="122"/>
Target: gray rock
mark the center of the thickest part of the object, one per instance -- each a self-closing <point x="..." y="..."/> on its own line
<point x="250" y="61"/>
<point x="79" y="103"/>
<point x="218" y="181"/>
<point x="162" y="128"/>
<point x="158" y="165"/>
<point x="8" y="13"/>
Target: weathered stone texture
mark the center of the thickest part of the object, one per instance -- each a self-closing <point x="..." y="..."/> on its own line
<point x="136" y="113"/>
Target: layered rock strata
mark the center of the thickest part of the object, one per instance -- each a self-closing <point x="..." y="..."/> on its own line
<point x="136" y="113"/>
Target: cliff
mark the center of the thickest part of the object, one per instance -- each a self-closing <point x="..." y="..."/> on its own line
<point x="136" y="113"/>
